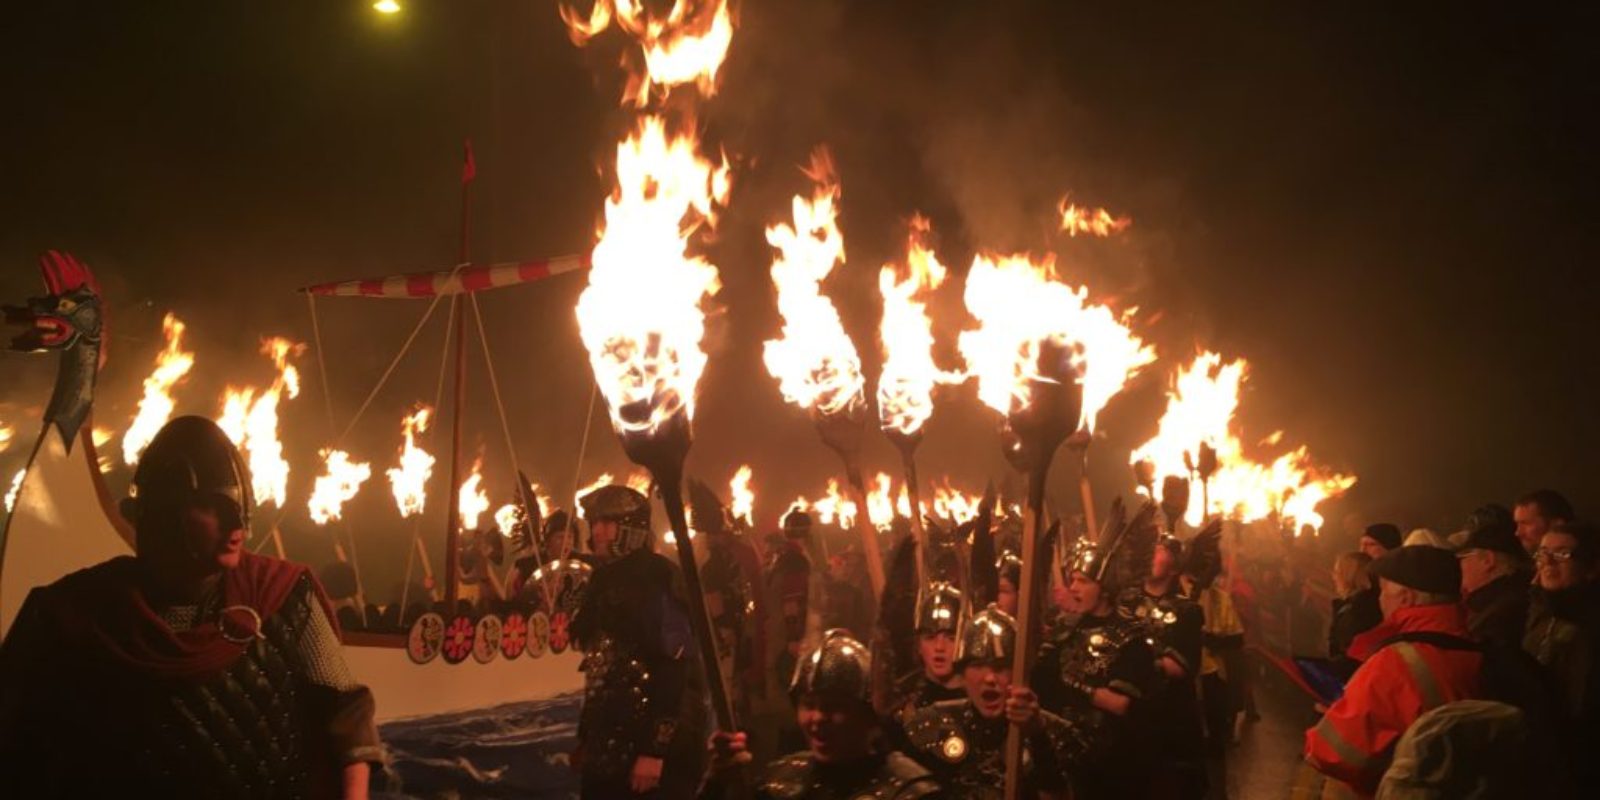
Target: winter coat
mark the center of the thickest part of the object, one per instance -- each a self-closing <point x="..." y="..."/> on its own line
<point x="1354" y="741"/>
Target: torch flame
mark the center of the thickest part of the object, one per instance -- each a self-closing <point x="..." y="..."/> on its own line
<point x="639" y="481"/>
<point x="506" y="518"/>
<point x="155" y="408"/>
<point x="687" y="46"/>
<point x="905" y="387"/>
<point x="6" y="432"/>
<point x="833" y="506"/>
<point x="953" y="504"/>
<point x="1077" y="220"/>
<point x="340" y="481"/>
<point x="640" y="316"/>
<point x="1200" y="409"/>
<point x="744" y="498"/>
<point x="472" y="500"/>
<point x="577" y="497"/>
<point x="251" y="421"/>
<point x="409" y="480"/>
<point x="815" y="362"/>
<point x="1019" y="306"/>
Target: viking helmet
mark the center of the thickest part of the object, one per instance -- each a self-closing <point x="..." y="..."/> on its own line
<point x="940" y="609"/>
<point x="991" y="636"/>
<point x="840" y="667"/>
<point x="1124" y="550"/>
<point x="624" y="506"/>
<point x="190" y="458"/>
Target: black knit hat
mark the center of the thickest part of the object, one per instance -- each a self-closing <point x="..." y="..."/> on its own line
<point x="1384" y="533"/>
<point x="1421" y="567"/>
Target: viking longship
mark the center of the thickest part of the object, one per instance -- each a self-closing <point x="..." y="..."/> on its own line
<point x="64" y="518"/>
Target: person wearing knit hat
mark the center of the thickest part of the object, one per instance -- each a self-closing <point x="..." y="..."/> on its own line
<point x="1380" y="538"/>
<point x="1408" y="675"/>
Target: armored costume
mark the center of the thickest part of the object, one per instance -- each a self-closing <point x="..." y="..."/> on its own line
<point x="1174" y="624"/>
<point x="966" y="750"/>
<point x="788" y="588"/>
<point x="239" y="691"/>
<point x="840" y="668"/>
<point x="728" y="579"/>
<point x="941" y="610"/>
<point x="642" y="681"/>
<point x="1085" y="652"/>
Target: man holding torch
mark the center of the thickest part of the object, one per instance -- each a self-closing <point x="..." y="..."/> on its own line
<point x="643" y="718"/>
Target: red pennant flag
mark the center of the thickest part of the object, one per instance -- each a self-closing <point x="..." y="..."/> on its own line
<point x="469" y="167"/>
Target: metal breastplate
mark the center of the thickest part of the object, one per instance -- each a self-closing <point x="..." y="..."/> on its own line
<point x="971" y="749"/>
<point x="242" y="733"/>
<point x="1088" y="656"/>
<point x="614" y="705"/>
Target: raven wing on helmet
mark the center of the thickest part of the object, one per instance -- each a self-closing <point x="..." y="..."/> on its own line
<point x="1129" y="553"/>
<point x="706" y="511"/>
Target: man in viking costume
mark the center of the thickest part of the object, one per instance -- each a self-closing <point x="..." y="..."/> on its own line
<point x="846" y="755"/>
<point x="642" y="729"/>
<point x="194" y="669"/>
<point x="962" y="742"/>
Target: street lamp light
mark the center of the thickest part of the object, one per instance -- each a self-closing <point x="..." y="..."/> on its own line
<point x="386" y="7"/>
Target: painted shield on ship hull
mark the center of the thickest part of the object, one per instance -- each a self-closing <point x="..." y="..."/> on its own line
<point x="513" y="636"/>
<point x="538" y="634"/>
<point x="426" y="638"/>
<point x="458" y="636"/>
<point x="486" y="642"/>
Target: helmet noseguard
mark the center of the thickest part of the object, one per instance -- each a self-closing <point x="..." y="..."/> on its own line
<point x="1084" y="557"/>
<point x="839" y="667"/>
<point x="624" y="506"/>
<point x="940" y="609"/>
<point x="990" y="637"/>
<point x="190" y="458"/>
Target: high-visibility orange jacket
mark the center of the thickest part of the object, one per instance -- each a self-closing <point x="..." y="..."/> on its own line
<point x="1355" y="740"/>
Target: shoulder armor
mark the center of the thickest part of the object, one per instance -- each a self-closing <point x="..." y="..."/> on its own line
<point x="788" y="778"/>
<point x="904" y="778"/>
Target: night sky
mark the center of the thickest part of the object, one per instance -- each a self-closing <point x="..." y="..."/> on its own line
<point x="1388" y="211"/>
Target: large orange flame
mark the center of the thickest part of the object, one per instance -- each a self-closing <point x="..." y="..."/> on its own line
<point x="1201" y="408"/>
<point x="687" y="46"/>
<point x="905" y="386"/>
<point x="815" y="362"/>
<point x="472" y="500"/>
<point x="953" y="504"/>
<point x="409" y="480"/>
<point x="1019" y="306"/>
<point x="6" y="432"/>
<point x="251" y="421"/>
<point x="640" y="316"/>
<point x="1076" y="220"/>
<point x="338" y="484"/>
<point x="155" y="408"/>
<point x="743" y="505"/>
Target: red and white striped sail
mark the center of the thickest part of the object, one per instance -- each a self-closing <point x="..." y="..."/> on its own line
<point x="472" y="278"/>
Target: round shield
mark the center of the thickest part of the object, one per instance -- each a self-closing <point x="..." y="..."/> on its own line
<point x="538" y="634"/>
<point x="559" y="622"/>
<point x="513" y="636"/>
<point x="458" y="639"/>
<point x="426" y="638"/>
<point x="486" y="642"/>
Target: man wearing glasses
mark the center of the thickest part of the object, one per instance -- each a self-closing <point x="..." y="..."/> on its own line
<point x="1564" y="635"/>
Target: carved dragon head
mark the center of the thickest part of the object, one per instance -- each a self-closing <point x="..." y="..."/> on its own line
<point x="68" y="319"/>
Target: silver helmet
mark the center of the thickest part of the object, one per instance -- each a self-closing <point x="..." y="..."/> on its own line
<point x="839" y="667"/>
<point x="990" y="637"/>
<point x="624" y="506"/>
<point x="941" y="608"/>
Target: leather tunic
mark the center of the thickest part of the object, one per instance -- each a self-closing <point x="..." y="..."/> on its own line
<point x="887" y="777"/>
<point x="966" y="751"/>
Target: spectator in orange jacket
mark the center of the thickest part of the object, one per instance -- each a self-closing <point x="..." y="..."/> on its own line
<point x="1420" y="665"/>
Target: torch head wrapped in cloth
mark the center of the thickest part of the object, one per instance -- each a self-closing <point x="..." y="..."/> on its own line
<point x="1033" y="430"/>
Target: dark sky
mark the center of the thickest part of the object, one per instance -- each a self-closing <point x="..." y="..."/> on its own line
<point x="1388" y="210"/>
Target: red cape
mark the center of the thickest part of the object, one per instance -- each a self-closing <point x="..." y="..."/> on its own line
<point x="102" y="612"/>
